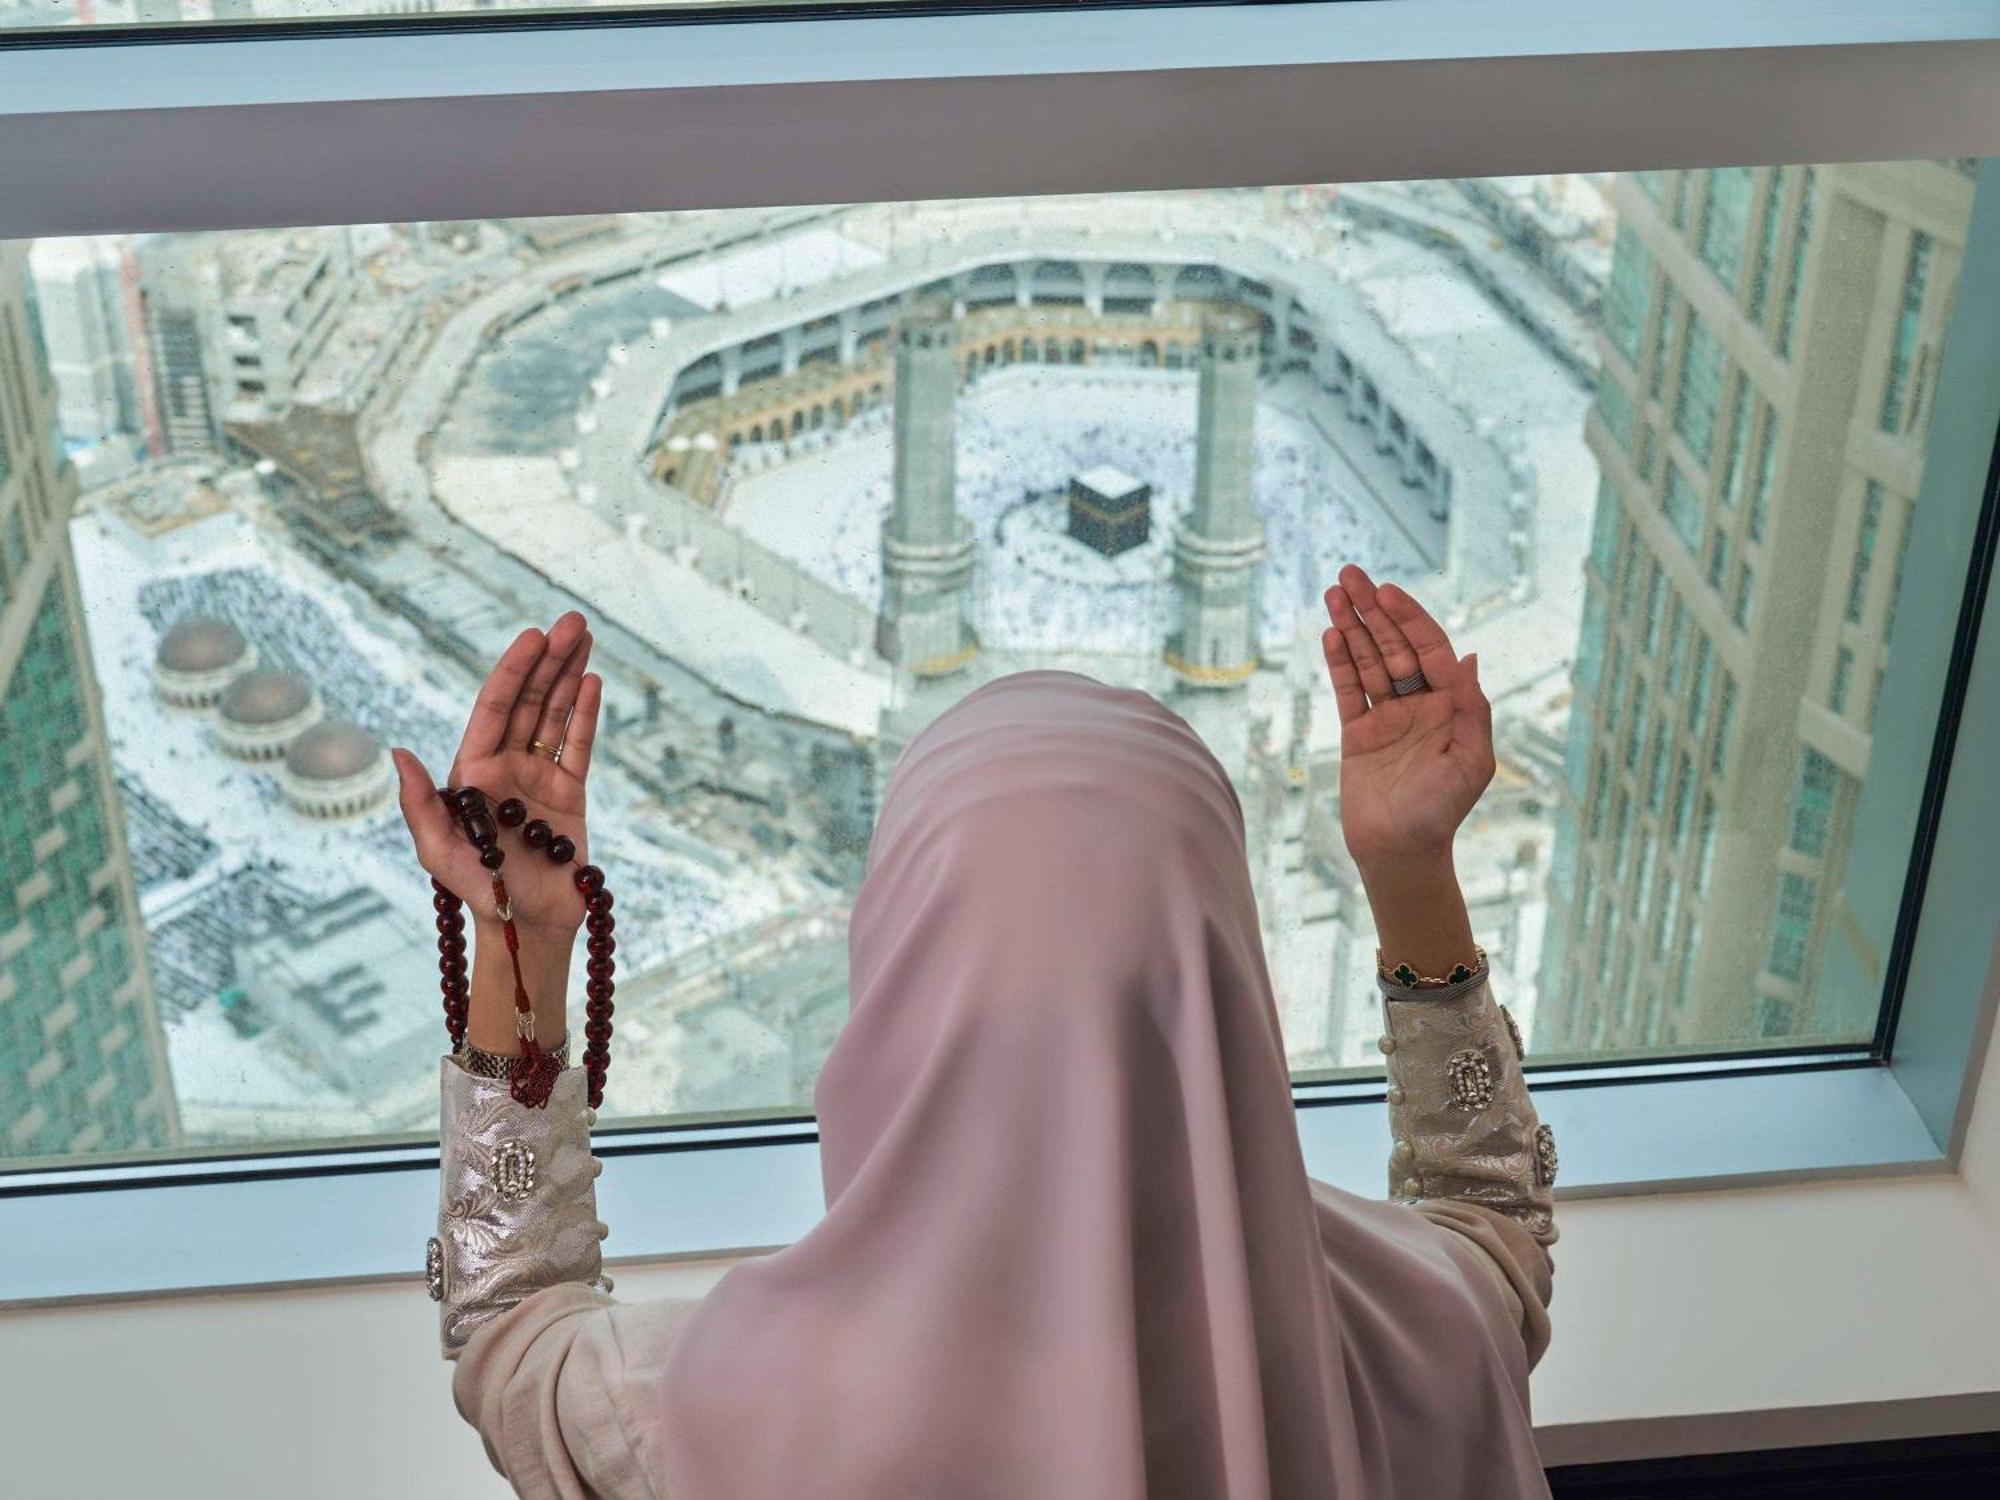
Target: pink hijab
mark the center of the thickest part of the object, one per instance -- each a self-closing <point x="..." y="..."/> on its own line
<point x="1070" y="1248"/>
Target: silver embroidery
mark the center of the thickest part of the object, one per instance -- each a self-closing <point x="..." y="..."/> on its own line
<point x="434" y="1268"/>
<point x="517" y="1202"/>
<point x="513" y="1170"/>
<point x="1485" y="1155"/>
<point x="1471" y="1079"/>
<point x="1545" y="1156"/>
<point x="1514" y="1032"/>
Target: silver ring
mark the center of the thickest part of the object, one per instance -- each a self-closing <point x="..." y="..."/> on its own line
<point x="1414" y="683"/>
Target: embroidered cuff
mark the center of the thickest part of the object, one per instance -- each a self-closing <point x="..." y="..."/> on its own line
<point x="1459" y="1110"/>
<point x="517" y="1200"/>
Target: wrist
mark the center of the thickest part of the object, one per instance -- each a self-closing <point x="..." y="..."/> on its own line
<point x="1408" y="868"/>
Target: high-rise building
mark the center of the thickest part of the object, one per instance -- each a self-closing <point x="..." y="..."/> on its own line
<point x="79" y="285"/>
<point x="1217" y="549"/>
<point x="82" y="1055"/>
<point x="1770" y="349"/>
<point x="926" y="543"/>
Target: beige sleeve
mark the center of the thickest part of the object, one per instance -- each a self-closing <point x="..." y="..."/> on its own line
<point x="560" y="1387"/>
<point x="1470" y="1152"/>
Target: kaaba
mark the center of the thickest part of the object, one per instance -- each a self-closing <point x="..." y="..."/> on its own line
<point x="1110" y="510"/>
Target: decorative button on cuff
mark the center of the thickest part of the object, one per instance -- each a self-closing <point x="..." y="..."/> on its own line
<point x="1471" y="1079"/>
<point x="1545" y="1156"/>
<point x="1387" y="1044"/>
<point x="513" y="1170"/>
<point x="1402" y="1153"/>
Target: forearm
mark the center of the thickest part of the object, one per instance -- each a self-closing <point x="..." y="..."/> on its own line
<point x="545" y="961"/>
<point x="1420" y="915"/>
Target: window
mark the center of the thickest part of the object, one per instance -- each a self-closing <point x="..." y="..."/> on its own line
<point x="1745" y="584"/>
<point x="1767" y="462"/>
<point x="1701" y="389"/>
<point x="1665" y="328"/>
<point x="1704" y="663"/>
<point x="1616" y="409"/>
<point x="1864" y="552"/>
<point x="1590" y="641"/>
<point x="1676" y="655"/>
<point x="1655" y="797"/>
<point x="1896" y="577"/>
<point x="1739" y="430"/>
<point x="1792" y="925"/>
<point x="1895" y="389"/>
<point x="1655" y="605"/>
<point x="1725" y="714"/>
<point x="1843" y="672"/>
<point x="467" y="395"/>
<point x="1683" y="792"/>
<point x="1626" y="296"/>
<point x="1724" y="220"/>
<point x="1812" y="805"/>
<point x="1682" y="504"/>
<point x="1795" y="277"/>
<point x="1606" y="518"/>
<point x="1767" y="243"/>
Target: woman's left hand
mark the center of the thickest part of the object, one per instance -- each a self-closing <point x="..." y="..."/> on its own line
<point x="1411" y="768"/>
<point x="538" y="690"/>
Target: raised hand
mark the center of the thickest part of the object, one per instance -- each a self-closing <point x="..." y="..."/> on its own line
<point x="538" y="690"/>
<point x="1411" y="767"/>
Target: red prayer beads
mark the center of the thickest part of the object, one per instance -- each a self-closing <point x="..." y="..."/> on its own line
<point x="534" y="1071"/>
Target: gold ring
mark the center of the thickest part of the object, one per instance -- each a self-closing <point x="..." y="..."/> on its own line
<point x="543" y="747"/>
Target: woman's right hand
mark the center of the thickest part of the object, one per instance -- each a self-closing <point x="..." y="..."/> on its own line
<point x="537" y="690"/>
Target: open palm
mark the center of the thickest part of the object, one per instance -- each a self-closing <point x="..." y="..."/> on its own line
<point x="537" y="691"/>
<point x="1411" y="767"/>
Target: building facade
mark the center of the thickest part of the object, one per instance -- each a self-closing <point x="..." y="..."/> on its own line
<point x="80" y="285"/>
<point x="83" y="1063"/>
<point x="1771" y="341"/>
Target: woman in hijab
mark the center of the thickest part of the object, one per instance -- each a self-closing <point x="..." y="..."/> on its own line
<point x="1070" y="1248"/>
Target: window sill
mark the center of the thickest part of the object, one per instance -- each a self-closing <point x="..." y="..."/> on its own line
<point x="361" y="1215"/>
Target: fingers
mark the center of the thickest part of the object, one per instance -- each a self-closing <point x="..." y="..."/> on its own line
<point x="562" y="696"/>
<point x="1360" y="641"/>
<point x="540" y="681"/>
<point x="1472" y="717"/>
<point x="1348" y="695"/>
<point x="423" y="811"/>
<point x="1399" y="659"/>
<point x="486" y="728"/>
<point x="582" y="730"/>
<point x="1430" y="647"/>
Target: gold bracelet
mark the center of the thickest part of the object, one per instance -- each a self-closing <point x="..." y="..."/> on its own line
<point x="1407" y="976"/>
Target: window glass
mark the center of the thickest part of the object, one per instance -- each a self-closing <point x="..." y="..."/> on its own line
<point x="1770" y="217"/>
<point x="1795" y="277"/>
<point x="1864" y="551"/>
<point x="1629" y="290"/>
<point x="313" y="479"/>
<point x="1683" y="507"/>
<point x="1724" y="220"/>
<point x="1701" y="389"/>
<point x="1903" y="344"/>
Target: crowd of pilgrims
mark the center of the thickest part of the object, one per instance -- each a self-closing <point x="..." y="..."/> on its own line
<point x="1022" y="434"/>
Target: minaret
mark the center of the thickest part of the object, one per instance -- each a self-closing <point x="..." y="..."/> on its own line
<point x="926" y="543"/>
<point x="1217" y="551"/>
